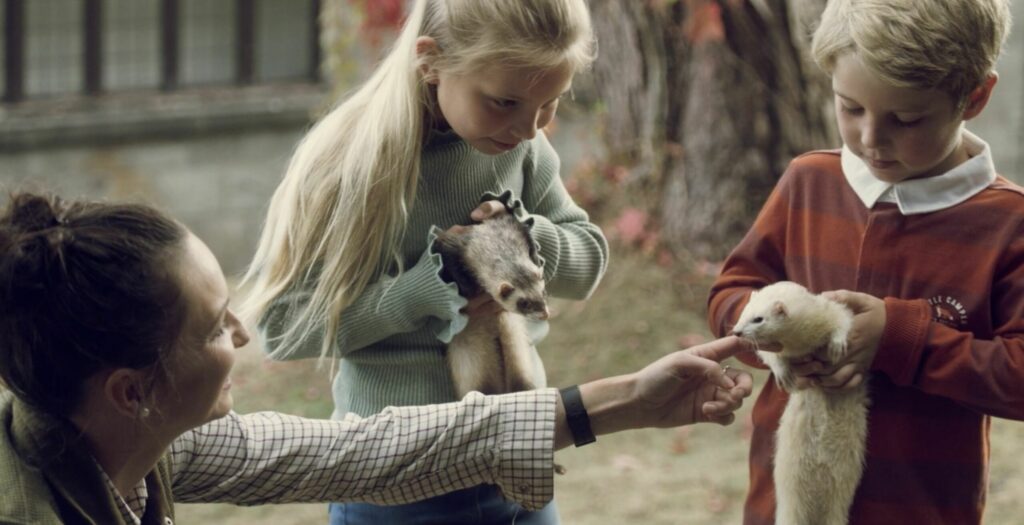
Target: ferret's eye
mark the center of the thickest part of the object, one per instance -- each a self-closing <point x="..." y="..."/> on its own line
<point x="758" y="320"/>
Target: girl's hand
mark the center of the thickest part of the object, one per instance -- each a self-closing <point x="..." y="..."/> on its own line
<point x="868" y="325"/>
<point x="487" y="210"/>
<point x="482" y="305"/>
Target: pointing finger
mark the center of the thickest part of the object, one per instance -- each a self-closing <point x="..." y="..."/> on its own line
<point x="720" y="349"/>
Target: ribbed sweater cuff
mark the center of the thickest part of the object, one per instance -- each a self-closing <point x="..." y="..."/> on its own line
<point x="903" y="340"/>
<point x="430" y="296"/>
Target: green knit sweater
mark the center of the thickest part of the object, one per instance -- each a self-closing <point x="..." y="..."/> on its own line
<point x="392" y="338"/>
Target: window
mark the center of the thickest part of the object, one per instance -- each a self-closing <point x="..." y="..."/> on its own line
<point x="209" y="41"/>
<point x="131" y="44"/>
<point x="53" y="47"/>
<point x="75" y="47"/>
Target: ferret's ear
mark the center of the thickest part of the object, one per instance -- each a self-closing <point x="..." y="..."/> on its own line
<point x="506" y="290"/>
<point x="779" y="309"/>
<point x="450" y="242"/>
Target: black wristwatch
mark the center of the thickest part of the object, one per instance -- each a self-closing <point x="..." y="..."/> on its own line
<point x="576" y="416"/>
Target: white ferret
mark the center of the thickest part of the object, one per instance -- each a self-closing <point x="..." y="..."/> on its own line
<point x="819" y="453"/>
<point x="493" y="354"/>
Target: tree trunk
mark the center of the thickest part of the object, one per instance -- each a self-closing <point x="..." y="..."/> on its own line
<point x="708" y="101"/>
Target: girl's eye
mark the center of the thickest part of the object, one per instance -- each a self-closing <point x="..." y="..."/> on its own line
<point x="851" y="111"/>
<point x="503" y="103"/>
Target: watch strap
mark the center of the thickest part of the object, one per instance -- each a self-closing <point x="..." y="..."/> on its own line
<point x="576" y="416"/>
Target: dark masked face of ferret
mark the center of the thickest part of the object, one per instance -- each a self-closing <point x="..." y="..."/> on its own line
<point x="502" y="259"/>
<point x="496" y="257"/>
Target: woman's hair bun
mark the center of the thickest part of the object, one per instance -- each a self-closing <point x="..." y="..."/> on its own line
<point x="32" y="213"/>
<point x="83" y="286"/>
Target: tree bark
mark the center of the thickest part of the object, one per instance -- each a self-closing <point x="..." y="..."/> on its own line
<point x="708" y="101"/>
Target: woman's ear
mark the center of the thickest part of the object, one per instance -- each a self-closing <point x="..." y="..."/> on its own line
<point x="426" y="51"/>
<point x="123" y="391"/>
<point x="978" y="98"/>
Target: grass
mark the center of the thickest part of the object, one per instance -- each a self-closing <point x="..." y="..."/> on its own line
<point x="688" y="476"/>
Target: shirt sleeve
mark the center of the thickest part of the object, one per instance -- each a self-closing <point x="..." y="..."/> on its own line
<point x="392" y="305"/>
<point x="573" y="250"/>
<point x="983" y="374"/>
<point x="398" y="456"/>
<point x="756" y="262"/>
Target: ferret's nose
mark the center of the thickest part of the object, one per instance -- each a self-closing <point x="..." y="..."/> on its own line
<point x="543" y="314"/>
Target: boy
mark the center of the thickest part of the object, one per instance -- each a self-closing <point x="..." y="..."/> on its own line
<point x="911" y="218"/>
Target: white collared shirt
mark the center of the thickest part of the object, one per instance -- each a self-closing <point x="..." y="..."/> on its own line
<point x="928" y="194"/>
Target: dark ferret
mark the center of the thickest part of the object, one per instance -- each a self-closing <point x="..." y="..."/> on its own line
<point x="493" y="354"/>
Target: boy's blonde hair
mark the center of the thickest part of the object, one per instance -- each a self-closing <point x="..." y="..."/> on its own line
<point x="340" y="213"/>
<point x="949" y="45"/>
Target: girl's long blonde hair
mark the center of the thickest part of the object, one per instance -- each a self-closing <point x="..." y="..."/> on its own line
<point x="339" y="215"/>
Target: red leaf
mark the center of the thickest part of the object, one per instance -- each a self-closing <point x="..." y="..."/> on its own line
<point x="681" y="440"/>
<point x="704" y="22"/>
<point x="691" y="339"/>
<point x="631" y="226"/>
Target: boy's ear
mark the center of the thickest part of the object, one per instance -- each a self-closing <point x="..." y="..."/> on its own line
<point x="978" y="98"/>
<point x="426" y="50"/>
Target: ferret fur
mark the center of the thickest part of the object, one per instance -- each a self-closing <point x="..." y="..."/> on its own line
<point x="493" y="354"/>
<point x="819" y="453"/>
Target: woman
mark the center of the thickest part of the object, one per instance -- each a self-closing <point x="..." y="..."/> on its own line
<point x="116" y="343"/>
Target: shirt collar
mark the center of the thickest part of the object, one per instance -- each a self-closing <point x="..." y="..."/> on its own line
<point x="929" y="194"/>
<point x="135" y="505"/>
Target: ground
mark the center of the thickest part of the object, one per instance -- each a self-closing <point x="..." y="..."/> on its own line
<point x="689" y="476"/>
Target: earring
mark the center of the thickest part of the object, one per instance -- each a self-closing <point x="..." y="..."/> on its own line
<point x="144" y="412"/>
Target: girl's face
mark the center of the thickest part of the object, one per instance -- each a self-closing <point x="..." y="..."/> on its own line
<point x="199" y="389"/>
<point x="900" y="133"/>
<point x="496" y="108"/>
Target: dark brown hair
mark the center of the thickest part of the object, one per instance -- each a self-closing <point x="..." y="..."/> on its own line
<point x="83" y="286"/>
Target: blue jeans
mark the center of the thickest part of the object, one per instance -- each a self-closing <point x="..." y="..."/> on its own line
<point x="480" y="505"/>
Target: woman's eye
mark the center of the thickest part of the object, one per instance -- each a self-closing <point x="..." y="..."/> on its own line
<point x="503" y="103"/>
<point x="852" y="111"/>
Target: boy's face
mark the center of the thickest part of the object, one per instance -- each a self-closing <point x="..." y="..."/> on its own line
<point x="900" y="133"/>
<point x="495" y="109"/>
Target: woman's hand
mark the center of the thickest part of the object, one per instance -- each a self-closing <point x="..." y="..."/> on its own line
<point x="684" y="387"/>
<point x="689" y="386"/>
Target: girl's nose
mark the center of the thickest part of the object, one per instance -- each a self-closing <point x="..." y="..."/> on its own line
<point x="526" y="128"/>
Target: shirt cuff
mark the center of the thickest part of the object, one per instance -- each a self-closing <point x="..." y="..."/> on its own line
<point x="903" y="340"/>
<point x="526" y="467"/>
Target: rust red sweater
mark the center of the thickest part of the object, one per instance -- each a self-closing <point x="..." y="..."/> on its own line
<point x="952" y="352"/>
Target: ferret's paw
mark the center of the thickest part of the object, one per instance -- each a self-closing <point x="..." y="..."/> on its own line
<point x="837" y="348"/>
<point x="783" y="375"/>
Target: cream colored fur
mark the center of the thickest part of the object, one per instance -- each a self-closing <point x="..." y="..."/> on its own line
<point x="493" y="355"/>
<point x="819" y="456"/>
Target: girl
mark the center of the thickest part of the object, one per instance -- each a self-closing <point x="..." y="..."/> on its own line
<point x="450" y="119"/>
<point x="116" y="344"/>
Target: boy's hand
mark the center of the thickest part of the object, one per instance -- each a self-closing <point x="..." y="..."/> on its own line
<point x="868" y="325"/>
<point x="487" y="210"/>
